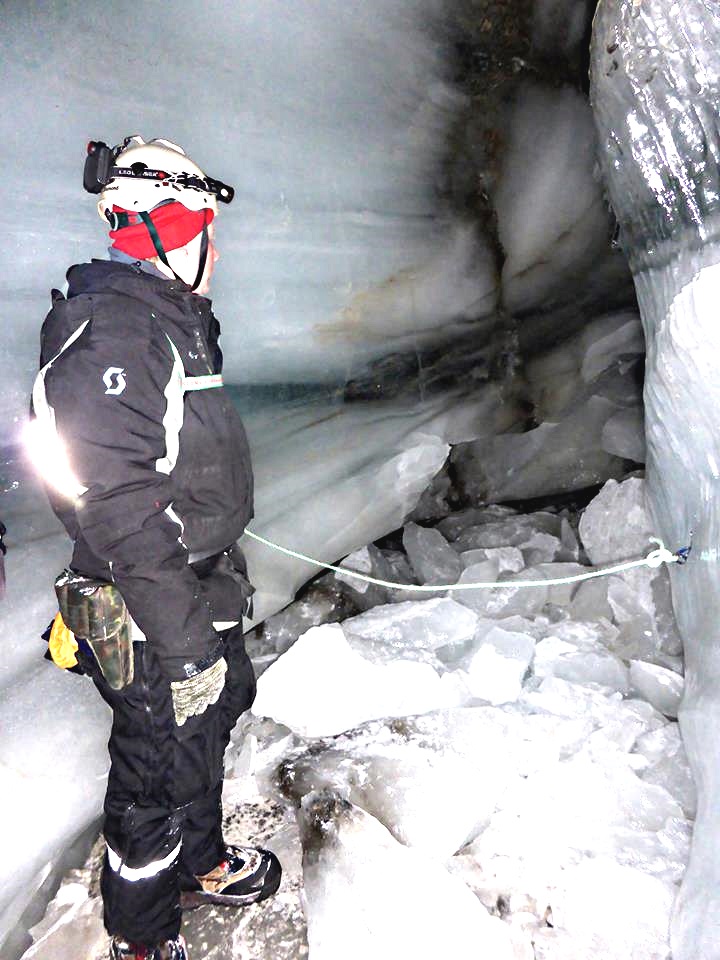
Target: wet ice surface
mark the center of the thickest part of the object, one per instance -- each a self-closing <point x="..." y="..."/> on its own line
<point x="521" y="772"/>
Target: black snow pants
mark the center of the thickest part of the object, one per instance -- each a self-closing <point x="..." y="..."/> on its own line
<point x="163" y="811"/>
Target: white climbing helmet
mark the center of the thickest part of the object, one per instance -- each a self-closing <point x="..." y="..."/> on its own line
<point x="146" y="174"/>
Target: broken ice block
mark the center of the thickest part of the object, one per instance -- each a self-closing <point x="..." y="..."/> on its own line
<point x="430" y="555"/>
<point x="401" y="571"/>
<point x="433" y="504"/>
<point x="577" y="632"/>
<point x="71" y="928"/>
<point x="508" y="558"/>
<point x="541" y="548"/>
<point x="511" y="599"/>
<point x="321" y="686"/>
<point x="428" y="624"/>
<point x="508" y="532"/>
<point x="668" y="767"/>
<point x="555" y="457"/>
<point x="496" y="670"/>
<point x="423" y="790"/>
<point x="590" y="601"/>
<point x="616" y="526"/>
<point x="322" y="602"/>
<point x="615" y="911"/>
<point x="433" y="780"/>
<point x="661" y="687"/>
<point x="640" y="598"/>
<point x="571" y="547"/>
<point x="642" y="608"/>
<point x="371" y="562"/>
<point x="495" y="602"/>
<point x="452" y="526"/>
<point x="363" y="890"/>
<point x="581" y="662"/>
<point x="558" y="376"/>
<point x="624" y="434"/>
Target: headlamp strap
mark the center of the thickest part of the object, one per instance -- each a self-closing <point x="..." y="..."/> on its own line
<point x="188" y="181"/>
<point x="160" y="250"/>
<point x="203" y="255"/>
<point x="156" y="241"/>
<point x="139" y="171"/>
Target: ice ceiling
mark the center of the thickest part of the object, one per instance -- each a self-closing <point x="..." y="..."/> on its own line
<point x="419" y="256"/>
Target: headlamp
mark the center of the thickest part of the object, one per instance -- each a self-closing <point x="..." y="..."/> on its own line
<point x="100" y="170"/>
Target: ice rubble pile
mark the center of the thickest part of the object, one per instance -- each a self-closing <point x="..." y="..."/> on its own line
<point x="510" y="757"/>
<point x="519" y="743"/>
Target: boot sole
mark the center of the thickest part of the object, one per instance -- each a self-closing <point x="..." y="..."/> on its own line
<point x="192" y="899"/>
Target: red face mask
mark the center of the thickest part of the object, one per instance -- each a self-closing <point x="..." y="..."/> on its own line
<point x="175" y="224"/>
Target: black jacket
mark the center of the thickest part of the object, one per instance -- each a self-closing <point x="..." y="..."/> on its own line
<point x="159" y="453"/>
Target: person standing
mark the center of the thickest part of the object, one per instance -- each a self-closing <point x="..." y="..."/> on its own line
<point x="147" y="465"/>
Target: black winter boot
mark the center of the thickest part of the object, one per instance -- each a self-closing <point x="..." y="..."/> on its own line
<point x="167" y="950"/>
<point x="244" y="876"/>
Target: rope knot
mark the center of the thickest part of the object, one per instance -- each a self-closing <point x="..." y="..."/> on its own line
<point x="656" y="558"/>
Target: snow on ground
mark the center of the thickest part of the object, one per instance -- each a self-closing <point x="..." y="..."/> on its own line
<point x="490" y="774"/>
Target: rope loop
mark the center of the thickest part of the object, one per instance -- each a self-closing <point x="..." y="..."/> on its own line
<point x="656" y="558"/>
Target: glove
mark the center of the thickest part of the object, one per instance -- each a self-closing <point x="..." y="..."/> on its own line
<point x="194" y="695"/>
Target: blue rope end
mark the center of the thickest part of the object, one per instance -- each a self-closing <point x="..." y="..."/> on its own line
<point x="683" y="553"/>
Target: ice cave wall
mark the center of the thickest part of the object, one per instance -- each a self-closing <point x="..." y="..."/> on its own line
<point x="374" y="188"/>
<point x="418" y="256"/>
<point x="656" y="86"/>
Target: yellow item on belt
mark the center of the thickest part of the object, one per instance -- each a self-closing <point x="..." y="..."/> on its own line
<point x="62" y="644"/>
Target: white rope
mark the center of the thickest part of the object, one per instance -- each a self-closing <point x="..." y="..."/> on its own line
<point x="654" y="559"/>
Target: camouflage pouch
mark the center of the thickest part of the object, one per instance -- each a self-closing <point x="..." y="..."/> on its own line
<point x="95" y="611"/>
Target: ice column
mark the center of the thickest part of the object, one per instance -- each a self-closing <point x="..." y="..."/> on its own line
<point x="655" y="91"/>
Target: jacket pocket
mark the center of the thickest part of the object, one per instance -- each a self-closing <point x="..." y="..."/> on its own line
<point x="225" y="586"/>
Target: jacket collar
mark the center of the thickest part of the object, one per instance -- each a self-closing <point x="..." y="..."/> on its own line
<point x="132" y="279"/>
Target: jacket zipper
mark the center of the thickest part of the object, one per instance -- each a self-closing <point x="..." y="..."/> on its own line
<point x="202" y="348"/>
<point x="199" y="338"/>
<point x="150" y="719"/>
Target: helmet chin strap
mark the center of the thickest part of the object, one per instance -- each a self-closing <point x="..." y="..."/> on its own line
<point x="160" y="250"/>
